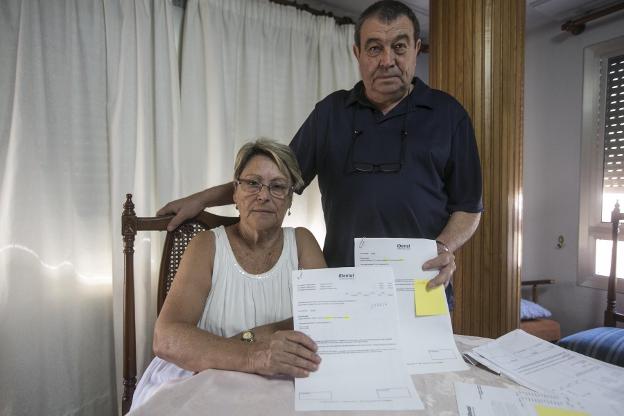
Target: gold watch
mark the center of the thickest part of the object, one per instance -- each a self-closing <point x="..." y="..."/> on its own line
<point x="248" y="336"/>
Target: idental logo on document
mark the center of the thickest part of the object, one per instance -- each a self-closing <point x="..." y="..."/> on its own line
<point x="347" y="276"/>
<point x="403" y="246"/>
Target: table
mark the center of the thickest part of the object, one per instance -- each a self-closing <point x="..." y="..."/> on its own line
<point x="217" y="392"/>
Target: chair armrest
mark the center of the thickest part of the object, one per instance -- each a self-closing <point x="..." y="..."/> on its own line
<point x="537" y="282"/>
<point x="534" y="284"/>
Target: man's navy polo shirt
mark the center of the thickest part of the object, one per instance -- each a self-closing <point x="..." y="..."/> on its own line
<point x="439" y="174"/>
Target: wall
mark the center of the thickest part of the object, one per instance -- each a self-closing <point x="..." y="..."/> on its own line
<point x="552" y="143"/>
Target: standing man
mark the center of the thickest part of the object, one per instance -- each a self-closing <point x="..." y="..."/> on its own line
<point x="394" y="158"/>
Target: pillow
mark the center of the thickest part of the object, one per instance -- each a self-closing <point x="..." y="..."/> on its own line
<point x="604" y="343"/>
<point x="531" y="310"/>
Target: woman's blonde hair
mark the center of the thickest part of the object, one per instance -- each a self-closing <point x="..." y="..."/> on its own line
<point x="279" y="153"/>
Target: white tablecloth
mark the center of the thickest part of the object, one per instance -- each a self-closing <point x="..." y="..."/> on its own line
<point x="216" y="392"/>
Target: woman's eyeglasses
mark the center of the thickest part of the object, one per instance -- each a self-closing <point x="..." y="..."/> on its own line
<point x="277" y="190"/>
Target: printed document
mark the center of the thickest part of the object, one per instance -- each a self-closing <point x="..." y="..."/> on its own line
<point x="351" y="314"/>
<point x="479" y="400"/>
<point x="545" y="367"/>
<point x="427" y="341"/>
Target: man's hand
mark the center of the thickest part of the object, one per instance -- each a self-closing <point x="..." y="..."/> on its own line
<point x="459" y="228"/>
<point x="183" y="208"/>
<point x="445" y="262"/>
<point x="290" y="353"/>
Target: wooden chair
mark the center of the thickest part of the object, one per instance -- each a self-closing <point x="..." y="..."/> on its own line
<point x="604" y="343"/>
<point x="544" y="328"/>
<point x="175" y="244"/>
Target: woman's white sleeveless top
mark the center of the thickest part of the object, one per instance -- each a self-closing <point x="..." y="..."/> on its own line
<point x="239" y="300"/>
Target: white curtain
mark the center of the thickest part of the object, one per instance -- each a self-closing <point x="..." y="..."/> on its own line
<point x="89" y="105"/>
<point x="91" y="109"/>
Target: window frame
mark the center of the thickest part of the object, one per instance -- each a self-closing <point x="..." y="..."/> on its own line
<point x="591" y="227"/>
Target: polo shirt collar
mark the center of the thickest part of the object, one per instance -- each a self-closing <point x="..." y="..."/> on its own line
<point x="419" y="97"/>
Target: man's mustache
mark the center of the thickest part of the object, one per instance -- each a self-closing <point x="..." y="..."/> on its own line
<point x="382" y="73"/>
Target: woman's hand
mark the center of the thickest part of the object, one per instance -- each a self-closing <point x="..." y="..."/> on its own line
<point x="290" y="353"/>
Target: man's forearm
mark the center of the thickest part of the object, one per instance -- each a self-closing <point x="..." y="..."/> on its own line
<point x="459" y="228"/>
<point x="217" y="195"/>
<point x="190" y="206"/>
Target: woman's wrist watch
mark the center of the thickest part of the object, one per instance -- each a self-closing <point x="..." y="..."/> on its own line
<point x="248" y="336"/>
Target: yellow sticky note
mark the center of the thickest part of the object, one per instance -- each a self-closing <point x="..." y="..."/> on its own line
<point x="429" y="302"/>
<point x="556" y="411"/>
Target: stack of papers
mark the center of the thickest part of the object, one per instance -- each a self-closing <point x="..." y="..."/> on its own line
<point x="548" y="368"/>
<point x="479" y="400"/>
<point x="374" y="325"/>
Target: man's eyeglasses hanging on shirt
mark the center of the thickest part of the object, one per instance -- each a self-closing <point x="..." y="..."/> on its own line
<point x="357" y="166"/>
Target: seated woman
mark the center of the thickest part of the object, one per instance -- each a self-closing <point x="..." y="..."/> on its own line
<point x="230" y="304"/>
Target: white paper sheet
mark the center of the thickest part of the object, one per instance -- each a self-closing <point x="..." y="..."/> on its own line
<point x="351" y="314"/>
<point x="546" y="367"/>
<point x="479" y="400"/>
<point x="427" y="341"/>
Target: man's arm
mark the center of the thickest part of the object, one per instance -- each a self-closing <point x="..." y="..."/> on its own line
<point x="190" y="206"/>
<point x="459" y="228"/>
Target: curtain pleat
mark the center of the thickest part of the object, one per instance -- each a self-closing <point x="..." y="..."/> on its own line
<point x="143" y="126"/>
<point x="55" y="245"/>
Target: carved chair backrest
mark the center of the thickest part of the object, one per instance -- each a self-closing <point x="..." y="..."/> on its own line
<point x="173" y="249"/>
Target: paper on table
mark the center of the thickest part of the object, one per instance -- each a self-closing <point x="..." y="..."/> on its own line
<point x="546" y="367"/>
<point x="429" y="302"/>
<point x="351" y="314"/>
<point x="476" y="359"/>
<point x="427" y="341"/>
<point x="479" y="400"/>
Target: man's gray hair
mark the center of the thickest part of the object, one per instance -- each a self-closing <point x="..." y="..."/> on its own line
<point x="386" y="11"/>
<point x="281" y="154"/>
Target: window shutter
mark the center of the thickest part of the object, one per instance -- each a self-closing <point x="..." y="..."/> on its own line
<point x="613" y="170"/>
